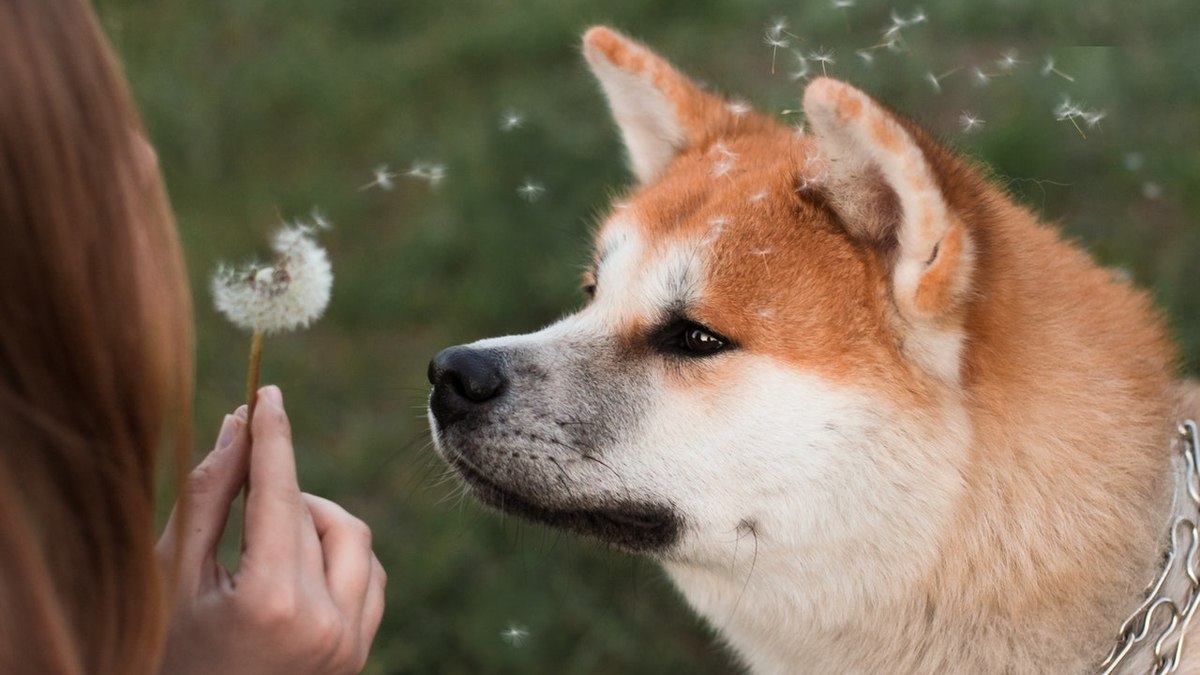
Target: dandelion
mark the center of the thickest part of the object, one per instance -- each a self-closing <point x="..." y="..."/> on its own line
<point x="515" y="634"/>
<point x="531" y="190"/>
<point x="382" y="179"/>
<point x="778" y="27"/>
<point x="738" y="108"/>
<point x="1048" y="68"/>
<point x="969" y="122"/>
<point x="824" y="57"/>
<point x="287" y="294"/>
<point x="511" y="120"/>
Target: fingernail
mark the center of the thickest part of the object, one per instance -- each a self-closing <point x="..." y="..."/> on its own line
<point x="272" y="395"/>
<point x="228" y="427"/>
<point x="242" y="412"/>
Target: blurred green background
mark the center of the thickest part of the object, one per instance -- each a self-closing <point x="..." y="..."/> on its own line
<point x="266" y="109"/>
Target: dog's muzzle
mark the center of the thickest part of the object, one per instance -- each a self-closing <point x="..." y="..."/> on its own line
<point x="464" y="380"/>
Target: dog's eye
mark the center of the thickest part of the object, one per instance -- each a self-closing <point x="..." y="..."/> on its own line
<point x="700" y="341"/>
<point x="589" y="290"/>
<point x="696" y="340"/>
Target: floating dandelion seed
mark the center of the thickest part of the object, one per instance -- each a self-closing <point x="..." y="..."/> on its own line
<point x="777" y="27"/>
<point x="738" y="108"/>
<point x="287" y="294"/>
<point x="531" y="190"/>
<point x="1134" y="161"/>
<point x="803" y="68"/>
<point x="382" y="179"/>
<point x="1008" y="60"/>
<point x="936" y="80"/>
<point x="1152" y="191"/>
<point x="1070" y="111"/>
<point x="776" y="42"/>
<point x="319" y="220"/>
<point x="824" y="57"/>
<point x="843" y="4"/>
<point x="969" y="122"/>
<point x="1092" y="117"/>
<point x="1048" y="68"/>
<point x="515" y="634"/>
<point x="980" y="78"/>
<point x="511" y="120"/>
<point x="429" y="172"/>
<point x="867" y="57"/>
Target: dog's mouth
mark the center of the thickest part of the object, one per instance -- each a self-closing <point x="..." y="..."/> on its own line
<point x="634" y="526"/>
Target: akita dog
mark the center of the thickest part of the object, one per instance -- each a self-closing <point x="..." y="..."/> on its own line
<point x="869" y="414"/>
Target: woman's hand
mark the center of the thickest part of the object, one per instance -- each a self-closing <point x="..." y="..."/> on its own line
<point x="307" y="597"/>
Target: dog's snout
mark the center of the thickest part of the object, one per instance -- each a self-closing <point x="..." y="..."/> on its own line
<point x="463" y="378"/>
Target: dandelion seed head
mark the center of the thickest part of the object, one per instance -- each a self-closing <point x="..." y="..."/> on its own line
<point x="288" y="294"/>
<point x="531" y="190"/>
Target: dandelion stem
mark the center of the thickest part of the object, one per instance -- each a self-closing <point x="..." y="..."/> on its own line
<point x="252" y="375"/>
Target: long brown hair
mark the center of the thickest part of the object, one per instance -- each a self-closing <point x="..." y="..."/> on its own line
<point x="95" y="352"/>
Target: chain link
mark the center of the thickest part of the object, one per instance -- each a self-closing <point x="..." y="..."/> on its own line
<point x="1161" y="620"/>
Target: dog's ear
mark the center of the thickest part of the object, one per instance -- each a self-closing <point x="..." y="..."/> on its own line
<point x="659" y="110"/>
<point x="880" y="181"/>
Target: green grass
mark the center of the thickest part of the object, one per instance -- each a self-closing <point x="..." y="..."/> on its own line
<point x="263" y="108"/>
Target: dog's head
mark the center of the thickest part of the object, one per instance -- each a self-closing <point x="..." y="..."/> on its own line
<point x="772" y="344"/>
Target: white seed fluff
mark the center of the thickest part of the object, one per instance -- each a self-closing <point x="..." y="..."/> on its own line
<point x="291" y="293"/>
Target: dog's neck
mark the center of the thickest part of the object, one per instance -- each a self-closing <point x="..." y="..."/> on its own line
<point x="940" y="625"/>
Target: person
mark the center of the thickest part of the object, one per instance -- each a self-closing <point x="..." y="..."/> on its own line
<point x="95" y="382"/>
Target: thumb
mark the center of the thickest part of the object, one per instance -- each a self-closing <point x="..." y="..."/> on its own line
<point x="211" y="488"/>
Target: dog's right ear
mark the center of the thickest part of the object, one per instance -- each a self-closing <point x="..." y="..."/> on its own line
<point x="659" y="110"/>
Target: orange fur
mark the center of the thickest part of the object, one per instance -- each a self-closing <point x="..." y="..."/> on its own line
<point x="1065" y="373"/>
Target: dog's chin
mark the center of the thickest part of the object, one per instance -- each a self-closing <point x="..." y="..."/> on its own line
<point x="636" y="527"/>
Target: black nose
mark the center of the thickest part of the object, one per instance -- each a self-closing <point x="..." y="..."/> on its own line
<point x="462" y="379"/>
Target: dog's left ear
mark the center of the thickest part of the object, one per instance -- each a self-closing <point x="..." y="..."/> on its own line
<point x="659" y="110"/>
<point x="880" y="181"/>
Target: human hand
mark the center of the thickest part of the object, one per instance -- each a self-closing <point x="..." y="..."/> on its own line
<point x="307" y="597"/>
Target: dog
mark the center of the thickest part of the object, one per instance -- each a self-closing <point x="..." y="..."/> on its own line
<point x="869" y="414"/>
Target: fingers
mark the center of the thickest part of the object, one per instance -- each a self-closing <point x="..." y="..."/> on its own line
<point x="349" y="562"/>
<point x="373" y="607"/>
<point x="274" y="511"/>
<point x="211" y="488"/>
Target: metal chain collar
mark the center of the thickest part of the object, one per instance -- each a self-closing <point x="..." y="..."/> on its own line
<point x="1162" y="620"/>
